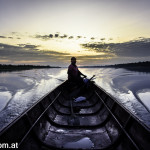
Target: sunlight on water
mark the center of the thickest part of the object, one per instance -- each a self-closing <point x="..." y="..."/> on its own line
<point x="21" y="89"/>
<point x="144" y="95"/>
<point x="4" y="98"/>
<point x="124" y="85"/>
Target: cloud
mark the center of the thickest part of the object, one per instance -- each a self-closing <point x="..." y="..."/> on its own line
<point x="44" y="37"/>
<point x="78" y="37"/>
<point x="110" y="39"/>
<point x="102" y="39"/>
<point x="136" y="48"/>
<point x="30" y="53"/>
<point x="13" y="35"/>
<point x="64" y="36"/>
<point x="30" y="46"/>
<point x="14" y="32"/>
<point x="92" y="38"/>
<point x="89" y="57"/>
<point x="10" y="37"/>
<point x="97" y="47"/>
<point x="56" y="35"/>
<point x="70" y="37"/>
<point x="51" y="35"/>
<point x="47" y="37"/>
<point x="54" y="53"/>
<point x="13" y="52"/>
<point x="3" y="37"/>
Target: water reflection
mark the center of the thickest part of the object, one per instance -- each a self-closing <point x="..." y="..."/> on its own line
<point x="125" y="85"/>
<point x="144" y="95"/>
<point x="4" y="99"/>
<point x="19" y="90"/>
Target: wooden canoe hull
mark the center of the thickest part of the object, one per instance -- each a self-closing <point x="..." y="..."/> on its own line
<point x="56" y="122"/>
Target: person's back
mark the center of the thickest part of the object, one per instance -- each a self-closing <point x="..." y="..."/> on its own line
<point x="74" y="73"/>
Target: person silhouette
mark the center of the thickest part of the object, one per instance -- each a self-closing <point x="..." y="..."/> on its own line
<point x="74" y="75"/>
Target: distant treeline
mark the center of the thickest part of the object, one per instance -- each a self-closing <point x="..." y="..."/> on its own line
<point x="4" y="67"/>
<point x="137" y="66"/>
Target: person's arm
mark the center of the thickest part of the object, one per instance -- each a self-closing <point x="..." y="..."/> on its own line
<point x="80" y="73"/>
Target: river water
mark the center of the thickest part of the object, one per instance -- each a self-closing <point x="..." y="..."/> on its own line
<point x="21" y="89"/>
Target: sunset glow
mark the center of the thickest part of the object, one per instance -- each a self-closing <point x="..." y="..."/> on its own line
<point x="64" y="27"/>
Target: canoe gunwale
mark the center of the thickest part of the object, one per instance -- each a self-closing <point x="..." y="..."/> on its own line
<point x="37" y="120"/>
<point x="27" y="110"/>
<point x="123" y="107"/>
<point x="123" y="129"/>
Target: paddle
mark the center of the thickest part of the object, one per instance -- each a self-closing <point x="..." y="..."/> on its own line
<point x="57" y="78"/>
<point x="73" y="118"/>
<point x="92" y="77"/>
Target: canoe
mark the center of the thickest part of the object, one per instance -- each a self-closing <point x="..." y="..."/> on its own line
<point x="56" y="121"/>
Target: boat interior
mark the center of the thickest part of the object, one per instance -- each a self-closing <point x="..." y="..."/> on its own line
<point x="57" y="121"/>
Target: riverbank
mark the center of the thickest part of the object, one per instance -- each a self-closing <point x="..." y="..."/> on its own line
<point x="5" y="68"/>
<point x="139" y="66"/>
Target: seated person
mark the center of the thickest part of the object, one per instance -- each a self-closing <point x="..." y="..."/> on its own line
<point x="74" y="75"/>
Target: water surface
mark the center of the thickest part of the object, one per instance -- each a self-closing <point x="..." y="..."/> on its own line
<point x="21" y="89"/>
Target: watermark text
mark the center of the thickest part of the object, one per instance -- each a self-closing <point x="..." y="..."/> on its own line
<point x="6" y="145"/>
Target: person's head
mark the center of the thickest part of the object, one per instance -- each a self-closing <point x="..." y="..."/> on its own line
<point x="73" y="60"/>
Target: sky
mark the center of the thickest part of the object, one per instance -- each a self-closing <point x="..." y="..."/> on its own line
<point x="96" y="32"/>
